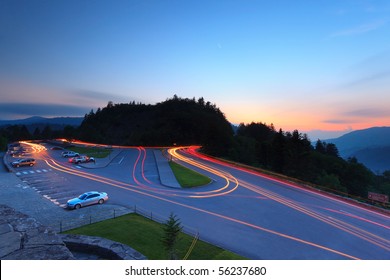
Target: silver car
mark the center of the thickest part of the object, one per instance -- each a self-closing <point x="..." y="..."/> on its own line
<point x="87" y="198"/>
<point x="70" y="154"/>
<point x="23" y="162"/>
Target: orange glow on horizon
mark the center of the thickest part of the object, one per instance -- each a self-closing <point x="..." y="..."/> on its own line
<point x="301" y="121"/>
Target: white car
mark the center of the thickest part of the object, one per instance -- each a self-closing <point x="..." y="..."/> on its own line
<point x="81" y="159"/>
<point x="87" y="198"/>
<point x="69" y="154"/>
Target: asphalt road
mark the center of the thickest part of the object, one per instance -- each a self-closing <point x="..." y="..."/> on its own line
<point x="245" y="212"/>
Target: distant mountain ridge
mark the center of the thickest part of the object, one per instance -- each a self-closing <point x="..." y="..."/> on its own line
<point x="73" y="121"/>
<point x="370" y="146"/>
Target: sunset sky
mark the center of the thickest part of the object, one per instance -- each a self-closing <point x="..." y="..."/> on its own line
<point x="321" y="67"/>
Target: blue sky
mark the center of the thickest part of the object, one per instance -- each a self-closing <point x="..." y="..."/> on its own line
<point x="321" y="67"/>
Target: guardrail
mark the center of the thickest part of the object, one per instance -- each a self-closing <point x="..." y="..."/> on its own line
<point x="82" y="220"/>
<point x="65" y="225"/>
<point x="103" y="214"/>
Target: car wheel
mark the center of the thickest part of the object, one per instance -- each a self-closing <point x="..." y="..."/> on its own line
<point x="101" y="201"/>
<point x="31" y="164"/>
<point x="77" y="206"/>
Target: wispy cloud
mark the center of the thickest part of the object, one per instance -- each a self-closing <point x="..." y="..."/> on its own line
<point x="19" y="99"/>
<point x="369" y="113"/>
<point x="21" y="110"/>
<point x="339" y="121"/>
<point x="370" y="78"/>
<point x="364" y="28"/>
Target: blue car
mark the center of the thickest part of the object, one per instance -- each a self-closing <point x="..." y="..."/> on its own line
<point x="87" y="198"/>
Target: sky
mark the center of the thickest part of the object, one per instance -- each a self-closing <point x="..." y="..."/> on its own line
<point x="322" y="67"/>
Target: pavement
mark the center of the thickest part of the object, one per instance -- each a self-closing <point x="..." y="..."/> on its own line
<point x="21" y="197"/>
<point x="167" y="177"/>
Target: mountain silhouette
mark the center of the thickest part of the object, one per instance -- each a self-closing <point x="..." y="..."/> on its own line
<point x="370" y="146"/>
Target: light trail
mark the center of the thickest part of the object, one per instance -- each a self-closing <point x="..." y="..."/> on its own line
<point x="149" y="189"/>
<point x="357" y="217"/>
<point x="36" y="148"/>
<point x="367" y="236"/>
<point x="222" y="174"/>
<point x="132" y="188"/>
<point x="125" y="187"/>
<point x="193" y="151"/>
<point x="358" y="232"/>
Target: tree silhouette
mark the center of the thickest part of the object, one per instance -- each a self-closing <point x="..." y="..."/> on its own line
<point x="172" y="229"/>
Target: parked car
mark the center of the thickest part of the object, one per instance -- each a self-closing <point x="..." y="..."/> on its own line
<point x="70" y="154"/>
<point x="87" y="198"/>
<point x="81" y="159"/>
<point x="23" y="162"/>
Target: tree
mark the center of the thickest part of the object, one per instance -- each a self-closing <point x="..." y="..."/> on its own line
<point x="47" y="133"/>
<point x="356" y="178"/>
<point x="320" y="146"/>
<point x="332" y="150"/>
<point x="172" y="228"/>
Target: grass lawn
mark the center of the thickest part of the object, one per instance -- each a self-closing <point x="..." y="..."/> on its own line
<point x="188" y="178"/>
<point x="92" y="151"/>
<point x="145" y="236"/>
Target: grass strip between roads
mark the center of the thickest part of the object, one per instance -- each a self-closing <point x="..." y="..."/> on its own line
<point x="188" y="178"/>
<point x="145" y="236"/>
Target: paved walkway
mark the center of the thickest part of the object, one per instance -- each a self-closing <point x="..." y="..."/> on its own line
<point x="167" y="177"/>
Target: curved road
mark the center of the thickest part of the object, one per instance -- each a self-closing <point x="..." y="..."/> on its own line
<point x="243" y="211"/>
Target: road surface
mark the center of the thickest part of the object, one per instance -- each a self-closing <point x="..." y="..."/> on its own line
<point x="256" y="216"/>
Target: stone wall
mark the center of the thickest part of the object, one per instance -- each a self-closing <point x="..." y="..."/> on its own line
<point x="24" y="238"/>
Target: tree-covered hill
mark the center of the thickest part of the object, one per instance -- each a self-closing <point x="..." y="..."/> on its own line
<point x="174" y="121"/>
<point x="292" y="154"/>
<point x="183" y="121"/>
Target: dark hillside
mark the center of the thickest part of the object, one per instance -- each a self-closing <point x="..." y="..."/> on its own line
<point x="354" y="141"/>
<point x="174" y="121"/>
<point x="370" y="146"/>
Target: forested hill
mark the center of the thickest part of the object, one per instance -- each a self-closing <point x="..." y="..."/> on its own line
<point x="175" y="121"/>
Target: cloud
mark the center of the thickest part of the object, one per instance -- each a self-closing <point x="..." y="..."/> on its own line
<point x="364" y="28"/>
<point x="20" y="99"/>
<point x="339" y="121"/>
<point x="356" y="116"/>
<point x="369" y="113"/>
<point x="370" y="78"/>
<point x="21" y="110"/>
<point x="96" y="97"/>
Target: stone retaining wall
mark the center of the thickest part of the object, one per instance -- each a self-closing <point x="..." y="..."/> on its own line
<point x="24" y="238"/>
<point x="105" y="248"/>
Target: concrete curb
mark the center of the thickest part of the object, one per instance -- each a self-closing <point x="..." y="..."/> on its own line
<point x="167" y="178"/>
<point x="5" y="162"/>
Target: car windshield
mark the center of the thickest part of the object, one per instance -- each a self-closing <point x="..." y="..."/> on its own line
<point x="82" y="196"/>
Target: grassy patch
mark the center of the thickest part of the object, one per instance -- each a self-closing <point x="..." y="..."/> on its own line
<point x="92" y="151"/>
<point x="188" y="178"/>
<point x="145" y="236"/>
